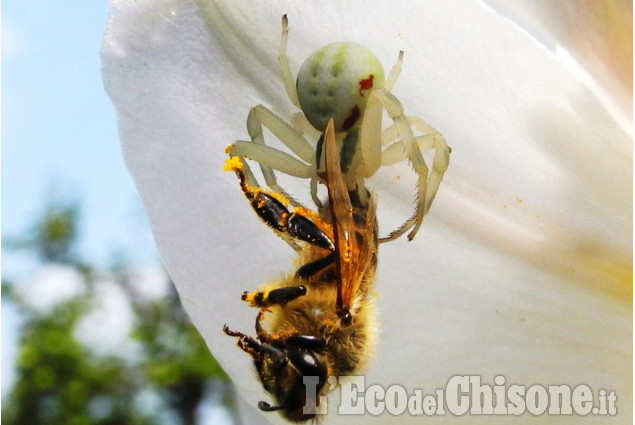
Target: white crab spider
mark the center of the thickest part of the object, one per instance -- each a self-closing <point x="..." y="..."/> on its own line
<point x="345" y="81"/>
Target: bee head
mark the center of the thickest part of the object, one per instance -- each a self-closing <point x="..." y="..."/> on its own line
<point x="282" y="369"/>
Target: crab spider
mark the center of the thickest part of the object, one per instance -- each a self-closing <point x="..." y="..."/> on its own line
<point x="345" y="81"/>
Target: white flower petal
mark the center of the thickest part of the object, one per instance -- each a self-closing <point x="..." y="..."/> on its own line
<point x="523" y="266"/>
<point x="598" y="35"/>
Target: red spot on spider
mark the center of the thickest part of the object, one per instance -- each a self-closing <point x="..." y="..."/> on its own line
<point x="366" y="84"/>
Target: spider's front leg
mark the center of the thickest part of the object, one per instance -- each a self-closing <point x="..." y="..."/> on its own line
<point x="291" y="136"/>
<point x="283" y="61"/>
<point x="270" y="158"/>
<point x="408" y="147"/>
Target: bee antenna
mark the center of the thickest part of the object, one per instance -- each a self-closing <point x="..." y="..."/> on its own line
<point x="266" y="407"/>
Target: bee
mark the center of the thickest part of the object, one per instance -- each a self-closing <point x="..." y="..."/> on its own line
<point x="321" y="318"/>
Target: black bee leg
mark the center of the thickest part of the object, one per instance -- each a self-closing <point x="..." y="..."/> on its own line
<point x="274" y="296"/>
<point x="272" y="209"/>
<point x="295" y="224"/>
<point x="308" y="342"/>
<point x="245" y="342"/>
<point x="316" y="266"/>
<point x="302" y="228"/>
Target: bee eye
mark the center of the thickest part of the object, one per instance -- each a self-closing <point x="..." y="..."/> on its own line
<point x="308" y="364"/>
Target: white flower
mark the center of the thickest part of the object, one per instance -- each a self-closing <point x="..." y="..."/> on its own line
<point x="523" y="267"/>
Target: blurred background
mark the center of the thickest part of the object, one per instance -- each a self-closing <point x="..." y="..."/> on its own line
<point x="92" y="328"/>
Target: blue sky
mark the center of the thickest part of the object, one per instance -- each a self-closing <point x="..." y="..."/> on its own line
<point x="59" y="132"/>
<point x="59" y="139"/>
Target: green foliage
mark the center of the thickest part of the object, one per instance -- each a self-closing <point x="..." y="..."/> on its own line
<point x="60" y="381"/>
<point x="53" y="237"/>
<point x="56" y="234"/>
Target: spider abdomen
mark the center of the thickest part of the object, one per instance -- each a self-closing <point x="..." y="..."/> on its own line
<point x="334" y="82"/>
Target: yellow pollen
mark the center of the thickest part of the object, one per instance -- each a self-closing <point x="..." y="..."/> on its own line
<point x="233" y="164"/>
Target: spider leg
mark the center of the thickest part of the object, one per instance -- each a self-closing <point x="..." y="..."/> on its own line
<point x="302" y="125"/>
<point x="430" y="139"/>
<point x="370" y="131"/>
<point x="394" y="73"/>
<point x="314" y="188"/>
<point x="271" y="158"/>
<point x="370" y="137"/>
<point x="371" y="143"/>
<point x="283" y="60"/>
<point x="300" y="122"/>
<point x="260" y="116"/>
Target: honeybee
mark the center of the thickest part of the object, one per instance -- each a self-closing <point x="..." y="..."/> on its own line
<point x="321" y="318"/>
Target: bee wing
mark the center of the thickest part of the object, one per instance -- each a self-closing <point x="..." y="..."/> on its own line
<point x="368" y="249"/>
<point x="351" y="262"/>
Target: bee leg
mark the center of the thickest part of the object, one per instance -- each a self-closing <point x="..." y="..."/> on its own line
<point x="308" y="342"/>
<point x="274" y="297"/>
<point x="245" y="342"/>
<point x="272" y="210"/>
<point x="262" y="334"/>
<point x="295" y="224"/>
<point x="268" y="341"/>
<point x="310" y="269"/>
